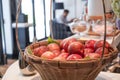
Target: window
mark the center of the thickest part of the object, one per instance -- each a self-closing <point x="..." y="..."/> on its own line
<point x="2" y="38"/>
<point x="42" y="20"/>
<point x="47" y="10"/>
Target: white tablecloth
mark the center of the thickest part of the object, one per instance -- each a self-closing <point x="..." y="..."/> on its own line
<point x="13" y="73"/>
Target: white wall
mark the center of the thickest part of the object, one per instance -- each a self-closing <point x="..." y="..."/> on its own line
<point x="79" y="8"/>
<point x="7" y="25"/>
<point x="95" y="7"/>
<point x="74" y="6"/>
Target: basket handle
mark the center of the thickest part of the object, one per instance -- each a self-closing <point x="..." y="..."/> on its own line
<point x="16" y="29"/>
<point x="16" y="32"/>
<point x="101" y="59"/>
<point x="105" y="29"/>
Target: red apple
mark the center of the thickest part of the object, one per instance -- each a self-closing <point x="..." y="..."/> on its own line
<point x="93" y="55"/>
<point x="64" y="55"/>
<point x="100" y="43"/>
<point x="63" y="51"/>
<point x="74" y="57"/>
<point x="53" y="46"/>
<point x="90" y="44"/>
<point x="48" y="55"/>
<point x="76" y="47"/>
<point x="88" y="50"/>
<point x="99" y="51"/>
<point x="35" y="51"/>
<point x="56" y="52"/>
<point x="61" y="57"/>
<point x="82" y="53"/>
<point x="62" y="43"/>
<point x="67" y="43"/>
<point x="42" y="49"/>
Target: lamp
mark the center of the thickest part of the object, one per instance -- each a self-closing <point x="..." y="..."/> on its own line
<point x="95" y="8"/>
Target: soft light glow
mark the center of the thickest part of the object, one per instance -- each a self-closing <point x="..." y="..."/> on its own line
<point x="95" y="7"/>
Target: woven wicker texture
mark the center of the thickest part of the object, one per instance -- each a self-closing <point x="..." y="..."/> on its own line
<point x="99" y="77"/>
<point x="68" y="70"/>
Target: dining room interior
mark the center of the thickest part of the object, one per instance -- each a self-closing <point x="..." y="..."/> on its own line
<point x="24" y="24"/>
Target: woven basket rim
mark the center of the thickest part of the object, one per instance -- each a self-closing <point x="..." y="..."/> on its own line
<point x="39" y="59"/>
<point x="35" y="58"/>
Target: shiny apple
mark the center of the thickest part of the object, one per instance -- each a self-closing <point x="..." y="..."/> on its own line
<point x="56" y="52"/>
<point x="93" y="55"/>
<point x="61" y="57"/>
<point x="88" y="50"/>
<point x="74" y="57"/>
<point x="42" y="49"/>
<point x="90" y="44"/>
<point x="63" y="51"/>
<point x="53" y="46"/>
<point x="76" y="47"/>
<point x="67" y="43"/>
<point x="48" y="55"/>
<point x="62" y="43"/>
<point x="100" y="43"/>
<point x="100" y="50"/>
<point x="35" y="51"/>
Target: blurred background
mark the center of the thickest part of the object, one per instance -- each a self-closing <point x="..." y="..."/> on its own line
<point x="41" y="10"/>
<point x="34" y="22"/>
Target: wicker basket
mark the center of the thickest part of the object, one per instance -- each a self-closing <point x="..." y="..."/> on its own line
<point x="64" y="70"/>
<point x="67" y="70"/>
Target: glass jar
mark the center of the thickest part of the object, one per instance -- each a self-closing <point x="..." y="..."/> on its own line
<point x="99" y="27"/>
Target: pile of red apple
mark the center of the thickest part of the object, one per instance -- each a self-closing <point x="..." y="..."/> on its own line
<point x="72" y="49"/>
